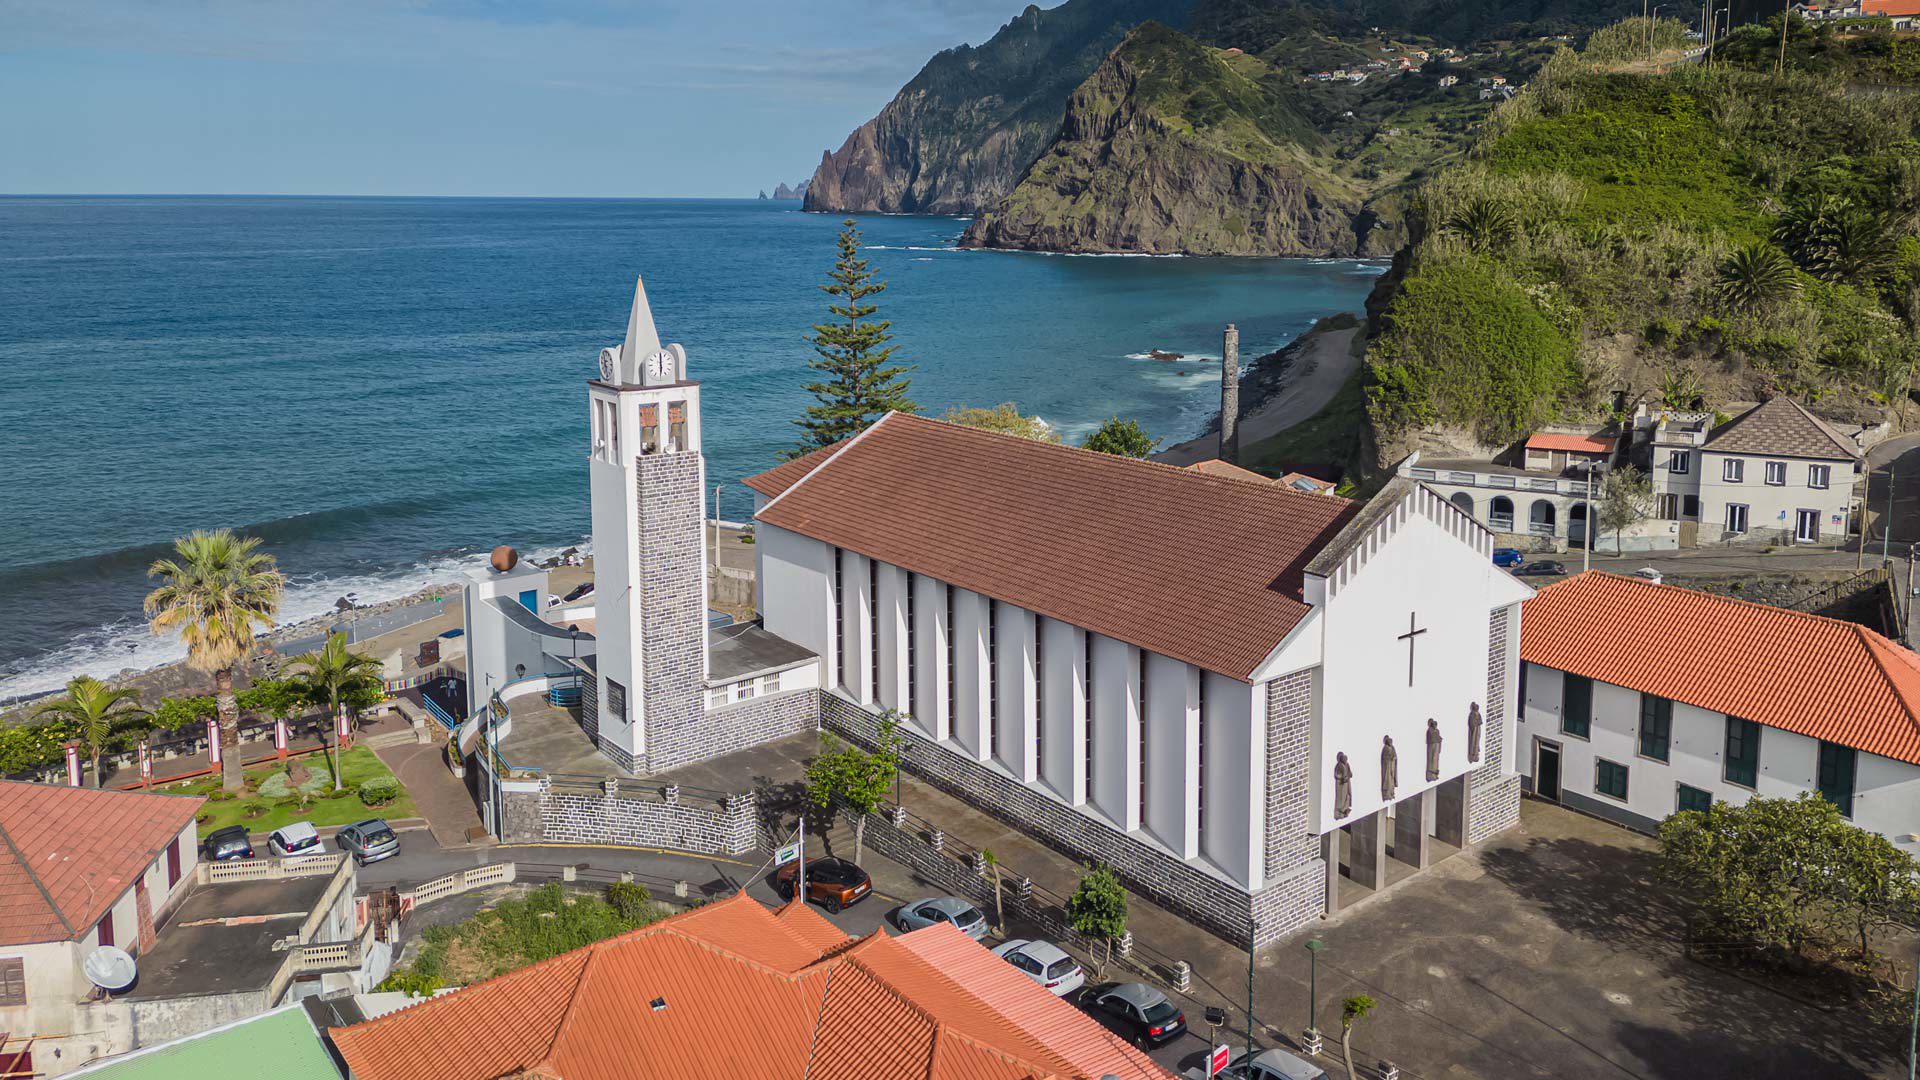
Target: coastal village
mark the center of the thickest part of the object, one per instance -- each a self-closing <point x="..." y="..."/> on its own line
<point x="1352" y="737"/>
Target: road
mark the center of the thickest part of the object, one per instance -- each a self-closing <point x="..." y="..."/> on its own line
<point x="421" y="859"/>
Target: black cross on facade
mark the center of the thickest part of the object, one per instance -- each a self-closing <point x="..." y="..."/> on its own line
<point x="1408" y="638"/>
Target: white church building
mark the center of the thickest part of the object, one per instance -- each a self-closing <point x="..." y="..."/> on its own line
<point x="1254" y="704"/>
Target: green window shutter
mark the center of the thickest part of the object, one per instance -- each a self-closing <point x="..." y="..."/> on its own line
<point x="1576" y="706"/>
<point x="1656" y="726"/>
<point x="1836" y="775"/>
<point x="1692" y="798"/>
<point x="1742" y="764"/>
<point x="1610" y="778"/>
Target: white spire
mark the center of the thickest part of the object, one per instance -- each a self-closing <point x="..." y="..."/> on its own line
<point x="642" y="340"/>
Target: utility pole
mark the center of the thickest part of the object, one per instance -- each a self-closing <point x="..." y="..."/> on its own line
<point x="1886" y="527"/>
<point x="716" y="531"/>
<point x="1586" y="549"/>
<point x="1253" y="937"/>
<point x="1913" y="1031"/>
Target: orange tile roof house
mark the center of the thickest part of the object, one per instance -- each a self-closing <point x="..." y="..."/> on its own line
<point x="1643" y="699"/>
<point x="733" y="989"/>
<point x="80" y="868"/>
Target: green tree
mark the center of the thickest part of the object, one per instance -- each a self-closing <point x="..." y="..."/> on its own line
<point x="94" y="712"/>
<point x="1352" y="1011"/>
<point x="1872" y="884"/>
<point x="1005" y="419"/>
<point x="335" y="676"/>
<point x="217" y="592"/>
<point x="1837" y="239"/>
<point x="861" y="382"/>
<point x="1625" y="500"/>
<point x="1485" y="225"/>
<point x="1121" y="438"/>
<point x="1680" y="390"/>
<point x="1098" y="909"/>
<point x="1757" y="277"/>
<point x="174" y="713"/>
<point x="841" y="775"/>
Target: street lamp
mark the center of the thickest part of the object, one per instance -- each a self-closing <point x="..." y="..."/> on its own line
<point x="1312" y="1041"/>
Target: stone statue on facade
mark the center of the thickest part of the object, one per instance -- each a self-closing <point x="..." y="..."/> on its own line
<point x="1342" y="786"/>
<point x="1389" y="767"/>
<point x="1473" y="733"/>
<point x="1433" y="749"/>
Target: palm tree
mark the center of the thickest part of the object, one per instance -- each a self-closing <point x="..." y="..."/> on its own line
<point x="217" y="592"/>
<point x="1837" y="239"/>
<point x="1485" y="224"/>
<point x="332" y="676"/>
<point x="92" y="708"/>
<point x="1757" y="277"/>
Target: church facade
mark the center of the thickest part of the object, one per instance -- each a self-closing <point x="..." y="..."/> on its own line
<point x="1256" y="705"/>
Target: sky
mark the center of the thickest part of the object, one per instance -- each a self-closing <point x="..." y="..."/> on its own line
<point x="451" y="97"/>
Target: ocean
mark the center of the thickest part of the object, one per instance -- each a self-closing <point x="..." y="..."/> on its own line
<point x="384" y="388"/>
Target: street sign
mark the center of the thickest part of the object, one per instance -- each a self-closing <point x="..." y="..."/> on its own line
<point x="1217" y="1060"/>
<point x="786" y="854"/>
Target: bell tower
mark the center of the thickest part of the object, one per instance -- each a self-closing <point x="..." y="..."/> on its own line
<point x="646" y="474"/>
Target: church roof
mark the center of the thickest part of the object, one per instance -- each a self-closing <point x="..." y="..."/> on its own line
<point x="1819" y="677"/>
<point x="1195" y="567"/>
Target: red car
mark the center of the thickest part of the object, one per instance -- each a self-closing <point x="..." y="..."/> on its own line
<point x="831" y="883"/>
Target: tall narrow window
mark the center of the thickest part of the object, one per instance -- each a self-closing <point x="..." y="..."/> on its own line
<point x="913" y="664"/>
<point x="1742" y="765"/>
<point x="839" y="614"/>
<point x="1200" y="781"/>
<point x="106" y="929"/>
<point x="1836" y="776"/>
<point x="993" y="679"/>
<point x="1039" y="697"/>
<point x="1576" y="706"/>
<point x="952" y="696"/>
<point x="873" y="627"/>
<point x="1086" y="692"/>
<point x="1656" y="726"/>
<point x="1142" y="806"/>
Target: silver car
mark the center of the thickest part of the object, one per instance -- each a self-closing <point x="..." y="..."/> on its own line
<point x="368" y="841"/>
<point x="1266" y="1065"/>
<point x="945" y="909"/>
<point x="1044" y="963"/>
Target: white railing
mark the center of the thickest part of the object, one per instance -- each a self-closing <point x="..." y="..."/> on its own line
<point x="269" y="869"/>
<point x="454" y="884"/>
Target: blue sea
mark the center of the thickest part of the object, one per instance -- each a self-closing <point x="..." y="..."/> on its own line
<point x="383" y="388"/>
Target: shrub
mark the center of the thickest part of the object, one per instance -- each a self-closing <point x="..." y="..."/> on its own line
<point x="410" y="981"/>
<point x="222" y="796"/>
<point x="630" y="901"/>
<point x="379" y="791"/>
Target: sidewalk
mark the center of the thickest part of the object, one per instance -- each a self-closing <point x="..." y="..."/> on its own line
<point x="441" y="797"/>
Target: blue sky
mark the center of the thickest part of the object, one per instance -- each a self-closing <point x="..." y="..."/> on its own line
<point x="451" y="97"/>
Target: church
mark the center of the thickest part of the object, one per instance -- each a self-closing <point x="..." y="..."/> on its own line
<point x="1256" y="705"/>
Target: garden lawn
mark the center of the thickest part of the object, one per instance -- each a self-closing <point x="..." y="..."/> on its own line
<point x="264" y="814"/>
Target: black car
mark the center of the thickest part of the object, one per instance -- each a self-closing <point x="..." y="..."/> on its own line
<point x="1541" y="568"/>
<point x="228" y="844"/>
<point x="1135" y="1012"/>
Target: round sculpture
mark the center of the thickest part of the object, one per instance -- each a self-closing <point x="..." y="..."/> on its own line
<point x="505" y="558"/>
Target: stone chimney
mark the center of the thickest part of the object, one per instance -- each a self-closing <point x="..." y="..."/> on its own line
<point x="1230" y="395"/>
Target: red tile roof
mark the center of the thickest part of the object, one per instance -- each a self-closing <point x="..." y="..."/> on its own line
<point x="1228" y="470"/>
<point x="66" y="854"/>
<point x="1146" y="553"/>
<point x="1891" y="7"/>
<point x="1818" y="677"/>
<point x="1578" y="444"/>
<point x="746" y="992"/>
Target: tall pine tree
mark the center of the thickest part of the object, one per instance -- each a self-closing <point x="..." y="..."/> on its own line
<point x="860" y="384"/>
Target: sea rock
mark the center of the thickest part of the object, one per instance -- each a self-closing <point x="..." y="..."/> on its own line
<point x="1162" y="354"/>
<point x="783" y="193"/>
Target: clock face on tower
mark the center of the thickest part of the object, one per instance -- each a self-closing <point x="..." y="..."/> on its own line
<point x="660" y="366"/>
<point x="608" y="364"/>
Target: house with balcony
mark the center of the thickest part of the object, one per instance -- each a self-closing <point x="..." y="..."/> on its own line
<point x="1775" y="474"/>
<point x="1540" y="501"/>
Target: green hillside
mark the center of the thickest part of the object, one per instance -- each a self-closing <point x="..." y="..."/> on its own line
<point x="1623" y="221"/>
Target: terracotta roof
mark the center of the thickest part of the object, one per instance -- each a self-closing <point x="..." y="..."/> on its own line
<point x="743" y="991"/>
<point x="1227" y="469"/>
<point x="784" y="475"/>
<point x="66" y="854"/>
<point x="1891" y="7"/>
<point x="1578" y="444"/>
<point x="1781" y="426"/>
<point x="1818" y="677"/>
<point x="1180" y="563"/>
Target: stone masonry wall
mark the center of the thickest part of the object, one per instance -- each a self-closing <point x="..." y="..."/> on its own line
<point x="750" y="723"/>
<point x="1208" y="901"/>
<point x="673" y="604"/>
<point x="590" y="707"/>
<point x="1296" y="873"/>
<point x="679" y="822"/>
<point x="1493" y="802"/>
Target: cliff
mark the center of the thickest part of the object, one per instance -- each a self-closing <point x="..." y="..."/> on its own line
<point x="1174" y="147"/>
<point x="957" y="137"/>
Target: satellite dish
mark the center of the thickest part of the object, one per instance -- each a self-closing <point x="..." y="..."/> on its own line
<point x="109" y="968"/>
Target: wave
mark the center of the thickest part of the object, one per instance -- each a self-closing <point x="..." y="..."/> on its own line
<point x="129" y="645"/>
<point x="913" y="247"/>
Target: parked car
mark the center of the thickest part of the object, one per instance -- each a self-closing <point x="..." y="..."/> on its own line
<point x="1648" y="573"/>
<point x="1541" y="568"/>
<point x="1266" y="1065"/>
<point x="944" y="909"/>
<point x="228" y="844"/>
<point x="368" y="841"/>
<point x="1508" y="556"/>
<point x="831" y="883"/>
<point x="1135" y="1012"/>
<point x="1044" y="963"/>
<point x="295" y="839"/>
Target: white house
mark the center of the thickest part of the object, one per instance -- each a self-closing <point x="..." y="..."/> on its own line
<point x="1643" y="699"/>
<point x="1540" y="504"/>
<point x="1774" y="474"/>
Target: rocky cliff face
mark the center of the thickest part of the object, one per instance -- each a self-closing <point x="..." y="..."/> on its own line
<point x="1172" y="147"/>
<point x="957" y="138"/>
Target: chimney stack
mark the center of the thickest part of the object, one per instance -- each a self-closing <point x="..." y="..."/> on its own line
<point x="1230" y="395"/>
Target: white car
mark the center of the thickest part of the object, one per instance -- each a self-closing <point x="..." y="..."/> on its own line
<point x="295" y="839"/>
<point x="1044" y="963"/>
